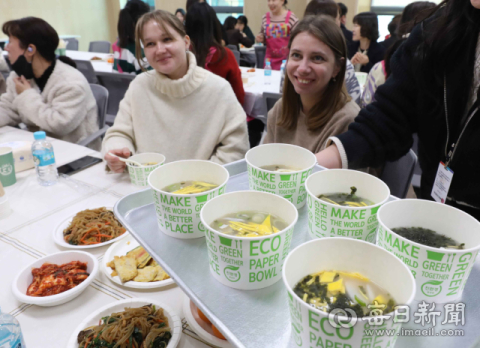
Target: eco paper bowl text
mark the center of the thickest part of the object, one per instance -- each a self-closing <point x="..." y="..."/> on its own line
<point x="179" y="215"/>
<point x="329" y="220"/>
<point x="290" y="186"/>
<point x="243" y="262"/>
<point x="310" y="326"/>
<point x="440" y="274"/>
<point x="139" y="175"/>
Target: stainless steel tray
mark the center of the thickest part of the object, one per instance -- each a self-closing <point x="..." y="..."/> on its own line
<point x="258" y="318"/>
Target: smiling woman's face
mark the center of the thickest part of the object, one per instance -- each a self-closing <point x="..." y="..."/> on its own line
<point x="311" y="65"/>
<point x="165" y="51"/>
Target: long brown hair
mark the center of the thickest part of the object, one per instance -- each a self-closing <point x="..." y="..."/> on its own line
<point x="335" y="96"/>
<point x="164" y="19"/>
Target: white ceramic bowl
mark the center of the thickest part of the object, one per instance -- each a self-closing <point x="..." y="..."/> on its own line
<point x="58" y="235"/>
<point x="201" y="328"/>
<point x="118" y="306"/>
<point x="24" y="278"/>
<point x="121" y="248"/>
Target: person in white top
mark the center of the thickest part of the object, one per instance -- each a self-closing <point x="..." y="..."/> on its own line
<point x="178" y="109"/>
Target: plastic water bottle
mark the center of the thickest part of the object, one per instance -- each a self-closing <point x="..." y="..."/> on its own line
<point x="267" y="72"/>
<point x="10" y="332"/>
<point x="282" y="74"/>
<point x="44" y="160"/>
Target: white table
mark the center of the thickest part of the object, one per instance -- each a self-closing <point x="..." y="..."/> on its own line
<point x="100" y="66"/>
<point x="26" y="235"/>
<point x="254" y="90"/>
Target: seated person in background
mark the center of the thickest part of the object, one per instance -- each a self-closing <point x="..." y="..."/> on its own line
<point x="330" y="8"/>
<point x="201" y="27"/>
<point x="392" y="29"/>
<point x="343" y="20"/>
<point x="315" y="104"/>
<point x="365" y="51"/>
<point x="242" y="25"/>
<point x="3" y="64"/>
<point x="219" y="27"/>
<point x="124" y="48"/>
<point x="180" y="14"/>
<point x="235" y="37"/>
<point x="412" y="14"/>
<point x="43" y="92"/>
<point x="178" y="109"/>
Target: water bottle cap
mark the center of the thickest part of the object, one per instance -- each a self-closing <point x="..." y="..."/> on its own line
<point x="39" y="135"/>
<point x="268" y="63"/>
<point x="284" y="61"/>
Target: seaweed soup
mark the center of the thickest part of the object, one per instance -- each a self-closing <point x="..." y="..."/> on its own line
<point x="329" y="290"/>
<point x="428" y="237"/>
<point x="189" y="187"/>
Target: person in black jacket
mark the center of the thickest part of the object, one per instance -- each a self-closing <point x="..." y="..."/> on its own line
<point x="392" y="29"/>
<point x="365" y="51"/>
<point x="235" y="37"/>
<point x="433" y="91"/>
<point x="343" y="20"/>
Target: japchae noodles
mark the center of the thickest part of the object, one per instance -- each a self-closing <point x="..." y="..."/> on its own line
<point x="135" y="327"/>
<point x="93" y="227"/>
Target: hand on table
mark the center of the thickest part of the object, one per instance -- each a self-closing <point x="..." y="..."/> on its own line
<point x="21" y="84"/>
<point x="260" y="38"/>
<point x="114" y="163"/>
<point x="360" y="58"/>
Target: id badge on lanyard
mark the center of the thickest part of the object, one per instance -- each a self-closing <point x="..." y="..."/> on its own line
<point x="442" y="183"/>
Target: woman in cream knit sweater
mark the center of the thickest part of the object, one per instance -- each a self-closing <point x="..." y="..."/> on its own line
<point x="178" y="109"/>
<point x="43" y="92"/>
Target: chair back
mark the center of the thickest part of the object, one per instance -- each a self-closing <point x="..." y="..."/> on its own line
<point x="417" y="173"/>
<point x="86" y="68"/>
<point x="260" y="52"/>
<point x="237" y="56"/>
<point x="99" y="46"/>
<point x="233" y="47"/>
<point x="269" y="100"/>
<point x="117" y="85"/>
<point x="101" y="96"/>
<point x="72" y="44"/>
<point x="398" y="174"/>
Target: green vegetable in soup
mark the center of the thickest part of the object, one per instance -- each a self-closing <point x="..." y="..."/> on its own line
<point x="329" y="290"/>
<point x="427" y="237"/>
<point x="346" y="200"/>
<point x="280" y="168"/>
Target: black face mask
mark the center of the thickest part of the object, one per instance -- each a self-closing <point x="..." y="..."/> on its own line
<point x="23" y="68"/>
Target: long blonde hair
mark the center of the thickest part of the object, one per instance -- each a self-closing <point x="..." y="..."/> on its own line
<point x="164" y="19"/>
<point x="335" y="96"/>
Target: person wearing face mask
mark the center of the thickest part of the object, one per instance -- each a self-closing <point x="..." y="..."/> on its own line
<point x="315" y="104"/>
<point x="275" y="32"/>
<point x="433" y="91"/>
<point x="330" y="8"/>
<point x="42" y="91"/>
<point x="178" y="109"/>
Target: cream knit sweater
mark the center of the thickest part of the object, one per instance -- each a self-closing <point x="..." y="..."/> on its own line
<point x="66" y="108"/>
<point x="195" y="117"/>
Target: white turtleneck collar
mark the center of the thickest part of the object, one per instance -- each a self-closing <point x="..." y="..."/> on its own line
<point x="186" y="85"/>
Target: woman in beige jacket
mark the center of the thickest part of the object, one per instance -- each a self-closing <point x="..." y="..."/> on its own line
<point x="178" y="109"/>
<point x="43" y="92"/>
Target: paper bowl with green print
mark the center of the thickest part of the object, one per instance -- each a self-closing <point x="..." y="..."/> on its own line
<point x="150" y="162"/>
<point x="289" y="185"/>
<point x="441" y="274"/>
<point x="330" y="220"/>
<point x="178" y="215"/>
<point x="311" y="327"/>
<point x="248" y="263"/>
